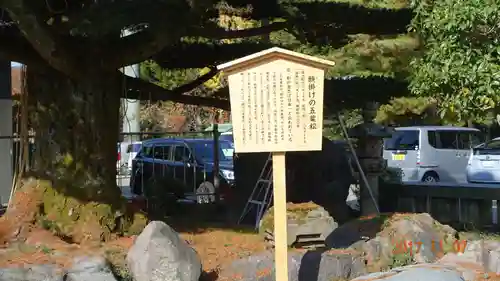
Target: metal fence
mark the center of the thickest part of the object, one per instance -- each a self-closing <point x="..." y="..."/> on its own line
<point x="464" y="204"/>
<point x="12" y="163"/>
<point x="19" y="163"/>
<point x="172" y="171"/>
<point x="130" y="142"/>
<point x="16" y="148"/>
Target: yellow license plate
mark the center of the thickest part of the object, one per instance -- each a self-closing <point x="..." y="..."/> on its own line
<point x="398" y="157"/>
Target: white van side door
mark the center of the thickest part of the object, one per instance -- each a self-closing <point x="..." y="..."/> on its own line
<point x="448" y="155"/>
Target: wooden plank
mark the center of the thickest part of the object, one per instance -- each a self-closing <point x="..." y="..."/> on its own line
<point x="441" y="190"/>
<point x="280" y="220"/>
<point x="277" y="106"/>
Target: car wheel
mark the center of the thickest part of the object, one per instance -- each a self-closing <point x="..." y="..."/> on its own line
<point x="430" y="177"/>
<point x="201" y="193"/>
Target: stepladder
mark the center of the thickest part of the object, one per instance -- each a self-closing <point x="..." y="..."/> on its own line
<point x="262" y="194"/>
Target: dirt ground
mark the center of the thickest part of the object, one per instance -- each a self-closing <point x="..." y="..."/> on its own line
<point x="216" y="245"/>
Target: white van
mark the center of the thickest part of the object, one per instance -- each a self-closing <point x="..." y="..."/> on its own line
<point x="431" y="153"/>
<point x="126" y="153"/>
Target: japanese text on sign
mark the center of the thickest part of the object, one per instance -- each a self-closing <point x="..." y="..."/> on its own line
<point x="249" y="107"/>
<point x="312" y="102"/>
<point x="279" y="107"/>
<point x="262" y="130"/>
<point x="243" y="104"/>
<point x="269" y="107"/>
<point x="289" y="104"/>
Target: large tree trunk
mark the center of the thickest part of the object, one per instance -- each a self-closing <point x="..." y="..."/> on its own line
<point x="76" y="127"/>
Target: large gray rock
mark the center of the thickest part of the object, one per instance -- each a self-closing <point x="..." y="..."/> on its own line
<point x="485" y="253"/>
<point x="32" y="273"/>
<point x="90" y="269"/>
<point x="160" y="254"/>
<point x="382" y="239"/>
<point x="310" y="265"/>
<point x="413" y="273"/>
<point x="479" y="256"/>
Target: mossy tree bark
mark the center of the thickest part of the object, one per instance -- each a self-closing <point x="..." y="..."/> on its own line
<point x="76" y="128"/>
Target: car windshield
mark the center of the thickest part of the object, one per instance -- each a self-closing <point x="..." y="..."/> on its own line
<point x="134" y="147"/>
<point x="205" y="151"/>
<point x="402" y="140"/>
<point x="493" y="144"/>
<point x="226" y="138"/>
<point x="491" y="147"/>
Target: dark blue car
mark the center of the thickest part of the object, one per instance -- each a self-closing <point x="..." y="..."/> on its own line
<point x="228" y="138"/>
<point x="189" y="161"/>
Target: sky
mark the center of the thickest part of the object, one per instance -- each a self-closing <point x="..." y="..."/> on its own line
<point x="15" y="64"/>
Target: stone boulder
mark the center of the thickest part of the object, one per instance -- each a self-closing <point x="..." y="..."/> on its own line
<point x="396" y="239"/>
<point x="308" y="224"/>
<point x="478" y="256"/>
<point x="90" y="269"/>
<point x="33" y="273"/>
<point x="302" y="265"/>
<point x="427" y="272"/>
<point x="159" y="253"/>
<point x="93" y="268"/>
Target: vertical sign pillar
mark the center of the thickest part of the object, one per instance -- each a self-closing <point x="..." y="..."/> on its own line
<point x="277" y="106"/>
<point x="6" y="173"/>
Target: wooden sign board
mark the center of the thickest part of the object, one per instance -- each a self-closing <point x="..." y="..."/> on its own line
<point x="276" y="101"/>
<point x="277" y="106"/>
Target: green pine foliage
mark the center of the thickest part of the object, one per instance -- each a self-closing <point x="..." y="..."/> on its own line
<point x="361" y="55"/>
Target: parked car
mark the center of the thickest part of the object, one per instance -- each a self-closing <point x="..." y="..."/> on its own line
<point x="187" y="161"/>
<point x="126" y="153"/>
<point x="484" y="163"/>
<point x="227" y="136"/>
<point x="118" y="157"/>
<point x="132" y="150"/>
<point x="431" y="153"/>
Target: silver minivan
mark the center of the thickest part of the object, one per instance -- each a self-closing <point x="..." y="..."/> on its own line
<point x="431" y="153"/>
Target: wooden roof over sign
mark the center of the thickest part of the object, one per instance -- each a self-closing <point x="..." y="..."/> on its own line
<point x="271" y="54"/>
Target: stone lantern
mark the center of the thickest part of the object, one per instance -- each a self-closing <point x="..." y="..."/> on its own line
<point x="369" y="149"/>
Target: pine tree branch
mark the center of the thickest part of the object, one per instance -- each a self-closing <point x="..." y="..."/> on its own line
<point x="50" y="47"/>
<point x="138" y="47"/>
<point x="143" y="90"/>
<point x="199" y="81"/>
<point x="198" y="55"/>
<point x="143" y="45"/>
<point x="19" y="50"/>
<point x="214" y="32"/>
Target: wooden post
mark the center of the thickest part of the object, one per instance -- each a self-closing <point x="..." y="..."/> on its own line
<point x="280" y="219"/>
